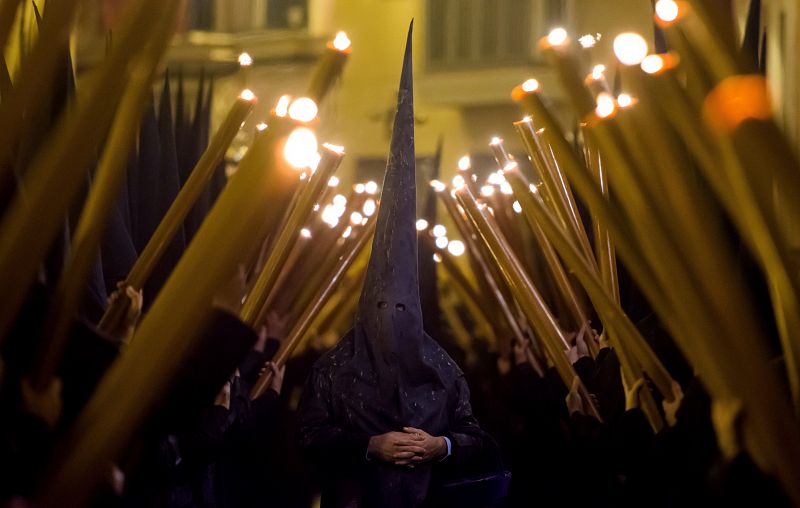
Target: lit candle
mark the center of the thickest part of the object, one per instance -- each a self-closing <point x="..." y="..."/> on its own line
<point x="329" y="67"/>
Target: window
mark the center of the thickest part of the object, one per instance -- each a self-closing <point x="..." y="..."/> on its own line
<point x="488" y="33"/>
<point x="235" y="16"/>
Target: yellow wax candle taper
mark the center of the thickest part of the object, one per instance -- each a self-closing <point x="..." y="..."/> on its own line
<point x="253" y="305"/>
<point x="526" y="296"/>
<point x="171" y="328"/>
<point x="566" y="65"/>
<point x="485" y="273"/>
<point x="329" y="67"/>
<point x="94" y="217"/>
<point x="561" y="191"/>
<point x="180" y="207"/>
<point x="56" y="173"/>
<point x="305" y="320"/>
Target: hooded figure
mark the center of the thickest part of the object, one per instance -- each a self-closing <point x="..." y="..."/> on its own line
<point x="387" y="411"/>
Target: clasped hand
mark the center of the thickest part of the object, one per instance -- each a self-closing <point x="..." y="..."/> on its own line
<point x="408" y="448"/>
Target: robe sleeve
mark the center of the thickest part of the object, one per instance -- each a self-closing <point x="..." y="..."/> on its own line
<point x="465" y="433"/>
<point x="321" y="439"/>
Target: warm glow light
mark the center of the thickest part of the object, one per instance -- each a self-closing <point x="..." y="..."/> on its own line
<point x="508" y="167"/>
<point x="630" y="48"/>
<point x="442" y="242"/>
<point x="495" y="141"/>
<point x="456" y="247"/>
<point x="422" y="225"/>
<point x="315" y="162"/>
<point x="589" y="40"/>
<point x="557" y="37"/>
<point x="506" y="189"/>
<point x="437" y="257"/>
<point x="334" y="148"/>
<point x="347" y="232"/>
<point x="333" y="181"/>
<point x="283" y="106"/>
<point x="360" y="188"/>
<point x="245" y="60"/>
<point x="530" y="85"/>
<point x="597" y="71"/>
<point x="438" y="186"/>
<point x="371" y="187"/>
<point x="464" y="163"/>
<point x="301" y="148"/>
<point x="305" y="233"/>
<point x="261" y="126"/>
<point x="533" y="188"/>
<point x="496" y="178"/>
<point x="516" y="206"/>
<point x="369" y="207"/>
<point x="439" y="230"/>
<point x="303" y="110"/>
<point x="316" y="207"/>
<point x="624" y="100"/>
<point x="341" y="41"/>
<point x="667" y="10"/>
<point x="605" y="105"/>
<point x="248" y="95"/>
<point x="356" y="218"/>
<point x="652" y="64"/>
<point x="330" y="216"/>
<point x="487" y="190"/>
<point x="339" y="200"/>
<point x="737" y="99"/>
<point x="458" y="181"/>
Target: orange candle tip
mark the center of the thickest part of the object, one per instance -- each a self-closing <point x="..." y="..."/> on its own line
<point x="341" y="43"/>
<point x="248" y="95"/>
<point x="557" y="38"/>
<point x="737" y="99"/>
<point x="657" y="63"/>
<point x="529" y="86"/>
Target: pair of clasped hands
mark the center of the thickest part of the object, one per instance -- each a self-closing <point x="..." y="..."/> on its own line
<point x="408" y="448"/>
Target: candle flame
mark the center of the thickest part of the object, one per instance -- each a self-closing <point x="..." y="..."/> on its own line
<point x="437" y="185"/>
<point x="667" y="10"/>
<point x="487" y="191"/>
<point x="516" y="206"/>
<point x="282" y="107"/>
<point x="339" y="200"/>
<point x="495" y="141"/>
<point x="606" y="106"/>
<point x="371" y="187"/>
<point x="589" y="40"/>
<point x="247" y="95"/>
<point x="458" y="181"/>
<point x="464" y="163"/>
<point x="341" y="42"/>
<point x="356" y="218"/>
<point x="422" y="225"/>
<point x="347" y="232"/>
<point x="652" y="64"/>
<point x="510" y="166"/>
<point x="530" y="85"/>
<point x="359" y="188"/>
<point x="506" y="189"/>
<point x="330" y="216"/>
<point x="245" y="60"/>
<point x="496" y="178"/>
<point x="436" y="257"/>
<point x="303" y="109"/>
<point x="300" y="149"/>
<point x="334" y="148"/>
<point x="557" y="37"/>
<point x="369" y="207"/>
<point x="441" y="242"/>
<point x="624" y="100"/>
<point x="456" y="248"/>
<point x="439" y="230"/>
<point x="598" y="71"/>
<point x="261" y="126"/>
<point x="630" y="48"/>
<point x="333" y="181"/>
<point x="305" y="233"/>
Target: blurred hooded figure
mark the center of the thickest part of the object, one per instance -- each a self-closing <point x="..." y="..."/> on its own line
<point x="386" y="412"/>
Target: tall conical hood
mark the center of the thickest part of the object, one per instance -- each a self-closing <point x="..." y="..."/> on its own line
<point x="392" y="280"/>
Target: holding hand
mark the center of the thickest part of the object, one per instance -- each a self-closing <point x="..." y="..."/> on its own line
<point x="434" y="447"/>
<point x="396" y="447"/>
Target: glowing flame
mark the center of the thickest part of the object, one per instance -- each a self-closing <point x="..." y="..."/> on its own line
<point x="597" y="71"/>
<point x="667" y="10"/>
<point x="496" y="178"/>
<point x="630" y="48"/>
<point x="516" y="206"/>
<point x="624" y="100"/>
<point x="436" y="257"/>
<point x="422" y="225"/>
<point x="589" y="40"/>
<point x="506" y="189"/>
<point x="333" y="181"/>
<point x="283" y="106"/>
<point x="438" y="186"/>
<point x="464" y="163"/>
<point x="458" y="181"/>
<point x="456" y="248"/>
<point x="334" y="148"/>
<point x="533" y="188"/>
<point x="261" y="126"/>
<point x="330" y="216"/>
<point x="316" y="207"/>
<point x="303" y="110"/>
<point x="301" y="148"/>
<point x="442" y="242"/>
<point x="339" y="200"/>
<point x="305" y="233"/>
<point x="439" y="230"/>
<point x="247" y="95"/>
<point x="487" y="191"/>
<point x="359" y="188"/>
<point x="495" y="141"/>
<point x="652" y="64"/>
<point x="347" y="232"/>
<point x="605" y="105"/>
<point x="245" y="60"/>
<point x="369" y="207"/>
<point x="371" y="187"/>
<point x="356" y="218"/>
<point x="508" y="167"/>
<point x="557" y="37"/>
<point x="341" y="42"/>
<point x="530" y="85"/>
